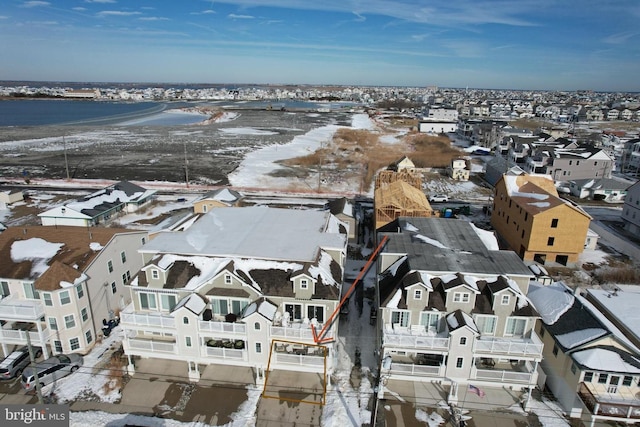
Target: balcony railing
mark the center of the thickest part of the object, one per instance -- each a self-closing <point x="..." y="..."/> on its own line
<point x="604" y="404"/>
<point x="529" y="347"/>
<point x="299" y="359"/>
<point x="297" y="331"/>
<point x="406" y="339"/>
<point x="151" y="345"/>
<point x="13" y="336"/>
<point x="222" y="327"/>
<point x="148" y="319"/>
<point x="420" y="370"/>
<point x="226" y="353"/>
<point x="525" y="376"/>
<point x="15" y="309"/>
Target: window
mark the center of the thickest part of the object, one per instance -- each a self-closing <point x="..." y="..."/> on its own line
<point x="69" y="321"/>
<point x="588" y="377"/>
<point x="573" y="368"/>
<point x="167" y="301"/>
<point x="258" y="347"/>
<point x="128" y="276"/>
<point x="570" y="162"/>
<point x="58" y="346"/>
<point x="602" y="378"/>
<point x="550" y="241"/>
<point x="515" y="326"/>
<point x="4" y="289"/>
<point x="256" y="326"/>
<point x="526" y="215"/>
<point x="304" y="284"/>
<point x="554" y="223"/>
<point x="187" y="341"/>
<point x="555" y="350"/>
<point x="79" y="291"/>
<point x="430" y="320"/>
<point x="84" y="314"/>
<point x="460" y="297"/>
<point x="53" y="324"/>
<point x="486" y="324"/>
<point x="154" y="274"/>
<point x="505" y="300"/>
<point x="123" y="257"/>
<point x="110" y="266"/>
<point x="144" y="240"/>
<point x="541" y="331"/>
<point x="417" y="294"/>
<point x="627" y="381"/>
<point x="113" y="287"/>
<point x="400" y="317"/>
<point x="522" y="235"/>
<point x="220" y="306"/>
<point x="74" y="343"/>
<point x="46" y="296"/>
<point x="29" y="291"/>
<point x="463" y="340"/>
<point x="88" y="336"/>
<point x="595" y="163"/>
<point x="315" y="311"/>
<point x="147" y="301"/>
<point x="237" y="306"/>
<point x="294" y="310"/>
<point x="65" y="298"/>
<point x="459" y="362"/>
<point x="124" y="278"/>
<point x="227" y="279"/>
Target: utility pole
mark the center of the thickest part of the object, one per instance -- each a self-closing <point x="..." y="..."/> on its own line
<point x="35" y="371"/>
<point x="186" y="165"/>
<point x="66" y="162"/>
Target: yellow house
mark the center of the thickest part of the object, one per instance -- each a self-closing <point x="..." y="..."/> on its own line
<point x="220" y="198"/>
<point x="535" y="222"/>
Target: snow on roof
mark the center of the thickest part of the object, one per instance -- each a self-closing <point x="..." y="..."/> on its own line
<point x="254" y="232"/>
<point x="323" y="269"/>
<point x="263" y="307"/>
<point x="488" y="238"/>
<point x="426" y="279"/>
<point x="95" y="246"/>
<point x="410" y="227"/>
<point x="225" y="196"/>
<point x="194" y="303"/>
<point x="393" y="302"/>
<point x="469" y="321"/>
<point x="551" y="301"/>
<point x="452" y="321"/>
<point x="523" y="301"/>
<point x="393" y="268"/>
<point x="514" y="189"/>
<point x="36" y="250"/>
<point x="540" y="204"/>
<point x="623" y="304"/>
<point x="601" y="359"/>
<point x="579" y="337"/>
<point x="101" y="197"/>
<point x="64" y="212"/>
<point x="430" y="241"/>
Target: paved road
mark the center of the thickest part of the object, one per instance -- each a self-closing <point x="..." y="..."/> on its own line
<point x="610" y="237"/>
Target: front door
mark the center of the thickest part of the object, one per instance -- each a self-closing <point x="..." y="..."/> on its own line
<point x="612" y="386"/>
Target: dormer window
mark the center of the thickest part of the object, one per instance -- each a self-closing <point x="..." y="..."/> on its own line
<point x="417" y="294"/>
<point x="227" y="279"/>
<point x="304" y="284"/>
<point x="461" y="297"/>
<point x="155" y="274"/>
<point x="505" y="300"/>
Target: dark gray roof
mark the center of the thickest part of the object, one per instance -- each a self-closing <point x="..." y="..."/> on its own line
<point x="577" y="318"/>
<point x="129" y="188"/>
<point x="463" y="251"/>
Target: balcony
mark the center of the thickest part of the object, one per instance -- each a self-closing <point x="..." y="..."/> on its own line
<point x="230" y="329"/>
<point x="514" y="347"/>
<point x="144" y="346"/>
<point x="415" y="338"/>
<point x="297" y="332"/>
<point x="146" y="320"/>
<point x="520" y="372"/>
<point x="422" y="365"/>
<point x="623" y="403"/>
<point x="17" y="309"/>
<point x="16" y="333"/>
<point x="225" y="353"/>
<point x="314" y="361"/>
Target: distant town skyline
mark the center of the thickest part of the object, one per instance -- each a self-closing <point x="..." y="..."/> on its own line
<point x="526" y="44"/>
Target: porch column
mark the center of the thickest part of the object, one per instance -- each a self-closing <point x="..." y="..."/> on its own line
<point x="45" y="351"/>
<point x="453" y="393"/>
<point x="5" y="349"/>
<point x="194" y="374"/>
<point x="528" y="400"/>
<point x="130" y="368"/>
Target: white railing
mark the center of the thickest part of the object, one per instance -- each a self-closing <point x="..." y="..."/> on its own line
<point x="296" y="331"/>
<point x="148" y="319"/>
<point x="150" y="345"/>
<point x="14" y="309"/>
<point x="222" y="327"/>
<point x="14" y="336"/>
<point x="226" y="353"/>
<point x="411" y="369"/>
<point x="416" y="341"/>
<point x="503" y="376"/>
<point x="509" y="346"/>
<point x="299" y="359"/>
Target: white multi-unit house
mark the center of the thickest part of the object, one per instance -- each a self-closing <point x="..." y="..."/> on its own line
<point x="591" y="357"/>
<point x="255" y="287"/>
<point x="58" y="284"/>
<point x="453" y="310"/>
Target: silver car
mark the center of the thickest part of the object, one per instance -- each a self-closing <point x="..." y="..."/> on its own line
<point x="15" y="362"/>
<point x="50" y="370"/>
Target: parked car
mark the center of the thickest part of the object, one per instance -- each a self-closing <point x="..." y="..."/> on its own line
<point x="439" y="198"/>
<point x="15" y="362"/>
<point x="50" y="370"/>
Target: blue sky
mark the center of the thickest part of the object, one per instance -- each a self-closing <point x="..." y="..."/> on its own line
<point x="516" y="44"/>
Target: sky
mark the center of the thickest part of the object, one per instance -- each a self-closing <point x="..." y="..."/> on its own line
<point x="502" y="44"/>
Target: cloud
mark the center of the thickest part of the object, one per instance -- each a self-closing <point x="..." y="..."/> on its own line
<point x="117" y="13"/>
<point x="79" y="8"/>
<point x="99" y="1"/>
<point x="359" y="18"/>
<point x="153" y="18"/>
<point x="234" y="16"/>
<point x="204" y="12"/>
<point x="4" y="17"/>
<point x="419" y="37"/>
<point x="35" y="3"/>
<point x="620" y="38"/>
